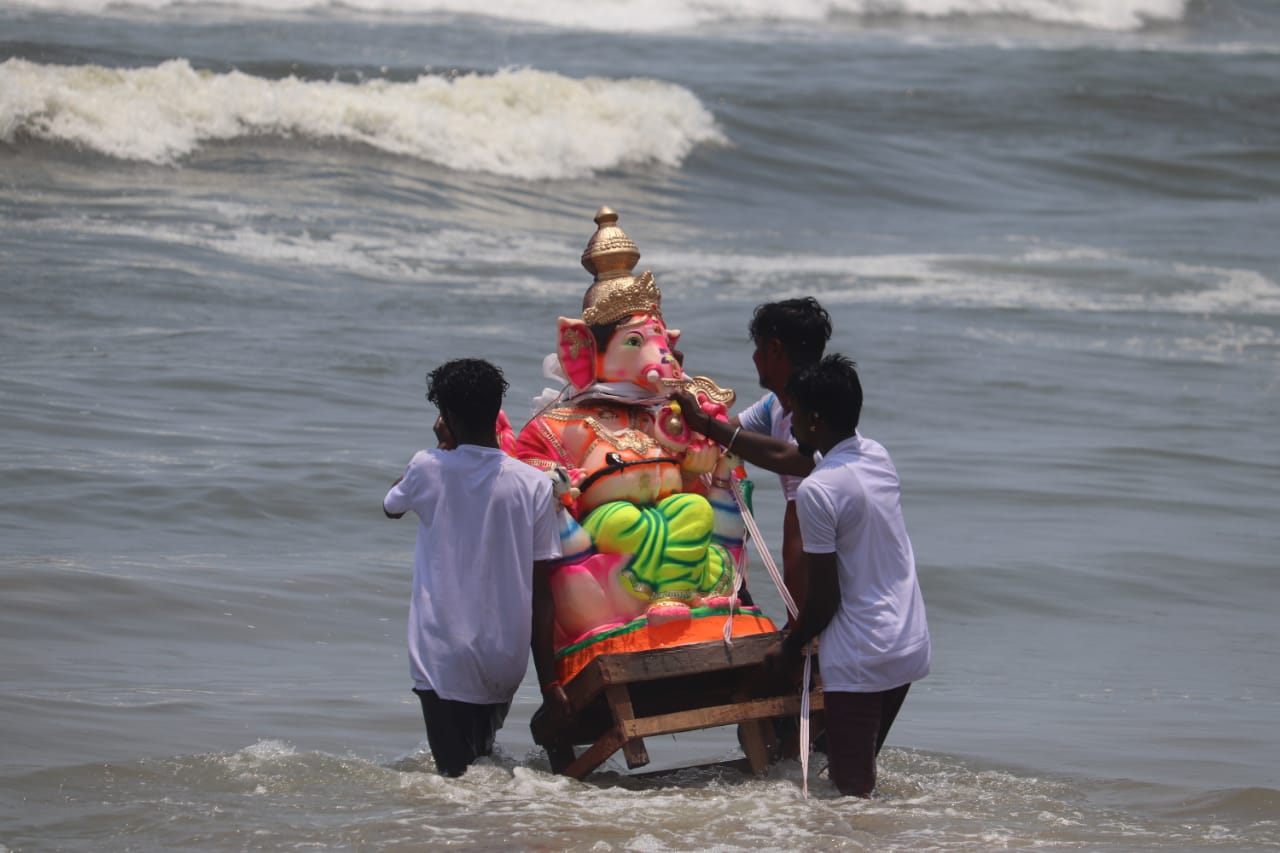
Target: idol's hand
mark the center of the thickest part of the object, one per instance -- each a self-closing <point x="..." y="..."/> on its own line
<point x="700" y="458"/>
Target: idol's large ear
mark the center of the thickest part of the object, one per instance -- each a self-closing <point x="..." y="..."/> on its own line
<point x="673" y="336"/>
<point x="577" y="350"/>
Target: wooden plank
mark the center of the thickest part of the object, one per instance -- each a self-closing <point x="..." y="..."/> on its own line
<point x="595" y="755"/>
<point x="619" y="698"/>
<point x="755" y="744"/>
<point x="718" y="715"/>
<point x="688" y="659"/>
<point x="585" y="686"/>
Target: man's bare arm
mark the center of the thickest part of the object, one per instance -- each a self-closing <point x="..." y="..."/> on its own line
<point x="764" y="451"/>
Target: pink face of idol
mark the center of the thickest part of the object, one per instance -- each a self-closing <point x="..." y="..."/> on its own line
<point x="641" y="351"/>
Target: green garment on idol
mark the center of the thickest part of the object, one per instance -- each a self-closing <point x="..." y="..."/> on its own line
<point x="672" y="555"/>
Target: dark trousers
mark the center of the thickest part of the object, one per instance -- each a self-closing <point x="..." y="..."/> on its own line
<point x="459" y="732"/>
<point x="857" y="725"/>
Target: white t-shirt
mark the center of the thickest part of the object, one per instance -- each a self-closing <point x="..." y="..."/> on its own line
<point x="767" y="416"/>
<point x="850" y="505"/>
<point x="484" y="518"/>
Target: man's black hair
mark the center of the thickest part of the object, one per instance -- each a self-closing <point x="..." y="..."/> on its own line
<point x="802" y="325"/>
<point x="468" y="391"/>
<point x="830" y="389"/>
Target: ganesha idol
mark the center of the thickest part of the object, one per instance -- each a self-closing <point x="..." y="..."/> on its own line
<point x="651" y="532"/>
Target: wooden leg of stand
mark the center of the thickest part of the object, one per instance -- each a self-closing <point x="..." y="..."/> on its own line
<point x="561" y="757"/>
<point x="756" y="742"/>
<point x="595" y="755"/>
<point x="619" y="698"/>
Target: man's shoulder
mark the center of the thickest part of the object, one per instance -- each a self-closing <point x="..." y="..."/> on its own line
<point x="855" y="446"/>
<point x="818" y="500"/>
<point x="869" y="449"/>
<point x="815" y="483"/>
<point x="525" y="473"/>
<point x="827" y="478"/>
<point x="759" y="415"/>
<point x="425" y="459"/>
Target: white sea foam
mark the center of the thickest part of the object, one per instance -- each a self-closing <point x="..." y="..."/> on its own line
<point x="1036" y="277"/>
<point x="1074" y="279"/>
<point x="665" y="15"/>
<point x="256" y="755"/>
<point x="1115" y="15"/>
<point x="519" y="123"/>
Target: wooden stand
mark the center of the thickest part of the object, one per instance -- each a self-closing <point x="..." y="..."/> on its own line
<point x="620" y="699"/>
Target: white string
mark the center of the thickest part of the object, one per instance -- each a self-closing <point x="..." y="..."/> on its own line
<point x="739" y="577"/>
<point x="754" y="533"/>
<point x="804" y="726"/>
<point x="739" y="574"/>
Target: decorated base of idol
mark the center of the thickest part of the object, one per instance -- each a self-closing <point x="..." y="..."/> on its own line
<point x="705" y="624"/>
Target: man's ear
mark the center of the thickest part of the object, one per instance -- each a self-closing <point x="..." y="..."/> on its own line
<point x="577" y="350"/>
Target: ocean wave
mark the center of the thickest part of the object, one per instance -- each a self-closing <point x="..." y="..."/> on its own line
<point x="927" y="800"/>
<point x="667" y="15"/>
<point x="520" y="123"/>
<point x="1033" y="277"/>
<point x="1072" y="279"/>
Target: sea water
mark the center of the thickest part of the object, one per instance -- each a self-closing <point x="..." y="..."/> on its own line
<point x="234" y="237"/>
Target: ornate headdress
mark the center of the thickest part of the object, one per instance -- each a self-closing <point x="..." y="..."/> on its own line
<point x="615" y="294"/>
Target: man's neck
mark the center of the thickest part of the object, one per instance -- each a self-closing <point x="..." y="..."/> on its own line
<point x="478" y="441"/>
<point x="826" y="441"/>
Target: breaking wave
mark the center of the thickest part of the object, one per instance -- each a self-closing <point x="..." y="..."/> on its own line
<point x="664" y="15"/>
<point x="519" y="123"/>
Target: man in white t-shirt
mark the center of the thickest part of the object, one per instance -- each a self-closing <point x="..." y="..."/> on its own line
<point x="864" y="601"/>
<point x="788" y="335"/>
<point x="487" y="533"/>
